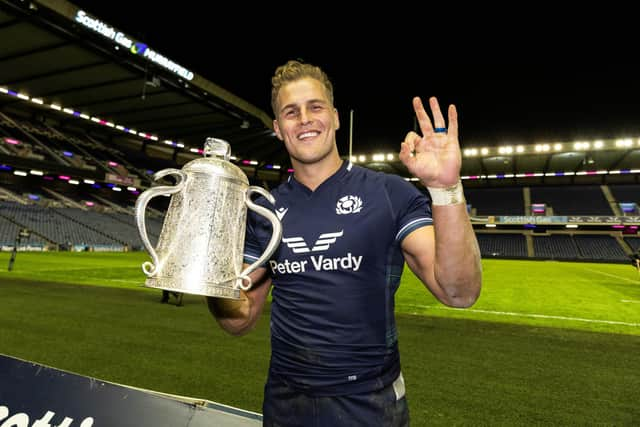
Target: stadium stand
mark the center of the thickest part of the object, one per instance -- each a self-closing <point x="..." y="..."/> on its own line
<point x="84" y="140"/>
<point x="572" y="200"/>
<point x="559" y="247"/>
<point x="510" y="245"/>
<point x="496" y="201"/>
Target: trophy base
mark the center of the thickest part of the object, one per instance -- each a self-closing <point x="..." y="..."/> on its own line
<point x="205" y="289"/>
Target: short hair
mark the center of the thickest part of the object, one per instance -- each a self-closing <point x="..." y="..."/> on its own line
<point x="295" y="70"/>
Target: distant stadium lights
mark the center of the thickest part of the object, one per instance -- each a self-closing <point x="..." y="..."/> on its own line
<point x="19" y="173"/>
<point x="624" y="143"/>
<point x="74" y="181"/>
<point x="23" y="96"/>
<point x="36" y="172"/>
<point x="88" y="181"/>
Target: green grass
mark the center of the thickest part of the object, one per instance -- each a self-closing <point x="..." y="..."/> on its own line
<point x="586" y="296"/>
<point x="547" y="344"/>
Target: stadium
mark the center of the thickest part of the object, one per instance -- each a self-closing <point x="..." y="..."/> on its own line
<point x="88" y="115"/>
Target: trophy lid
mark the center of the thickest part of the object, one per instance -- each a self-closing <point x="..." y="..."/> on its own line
<point x="216" y="161"/>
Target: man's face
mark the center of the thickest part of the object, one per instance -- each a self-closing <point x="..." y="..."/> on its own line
<point x="306" y="121"/>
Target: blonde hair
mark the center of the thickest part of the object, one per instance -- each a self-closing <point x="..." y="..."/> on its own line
<point x="296" y="70"/>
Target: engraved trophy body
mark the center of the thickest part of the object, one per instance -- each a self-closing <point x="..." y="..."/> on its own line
<point x="200" y="247"/>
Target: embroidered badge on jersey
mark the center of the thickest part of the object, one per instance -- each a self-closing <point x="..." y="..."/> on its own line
<point x="349" y="205"/>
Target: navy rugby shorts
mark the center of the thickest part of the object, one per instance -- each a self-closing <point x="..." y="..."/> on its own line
<point x="285" y="407"/>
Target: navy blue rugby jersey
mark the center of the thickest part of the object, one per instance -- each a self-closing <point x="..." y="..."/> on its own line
<point x="335" y="275"/>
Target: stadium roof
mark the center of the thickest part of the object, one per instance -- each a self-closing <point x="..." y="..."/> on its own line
<point x="55" y="52"/>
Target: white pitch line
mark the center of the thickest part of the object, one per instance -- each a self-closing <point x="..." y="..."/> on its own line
<point x="612" y="275"/>
<point x="537" y="316"/>
<point x="123" y="280"/>
<point x="631" y="300"/>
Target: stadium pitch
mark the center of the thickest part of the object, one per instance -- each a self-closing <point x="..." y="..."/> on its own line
<point x="547" y="343"/>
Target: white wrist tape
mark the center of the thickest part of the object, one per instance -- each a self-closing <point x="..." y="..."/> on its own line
<point x="447" y="196"/>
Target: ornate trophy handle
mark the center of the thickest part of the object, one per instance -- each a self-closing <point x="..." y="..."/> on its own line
<point x="276" y="234"/>
<point x="141" y="205"/>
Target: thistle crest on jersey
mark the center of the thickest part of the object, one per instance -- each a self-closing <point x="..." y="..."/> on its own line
<point x="349" y="205"/>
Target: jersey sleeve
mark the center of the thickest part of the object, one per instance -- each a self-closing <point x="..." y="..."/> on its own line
<point x="411" y="208"/>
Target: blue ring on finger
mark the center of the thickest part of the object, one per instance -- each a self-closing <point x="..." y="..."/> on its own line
<point x="440" y="130"/>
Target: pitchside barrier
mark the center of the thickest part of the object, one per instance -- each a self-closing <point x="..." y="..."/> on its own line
<point x="33" y="395"/>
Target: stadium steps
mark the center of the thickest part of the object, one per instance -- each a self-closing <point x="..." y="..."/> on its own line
<point x="90" y="227"/>
<point x="31" y="230"/>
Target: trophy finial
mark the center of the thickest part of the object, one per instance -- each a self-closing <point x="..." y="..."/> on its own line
<point x="217" y="147"/>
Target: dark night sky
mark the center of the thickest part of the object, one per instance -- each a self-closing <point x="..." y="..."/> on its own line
<point x="513" y="81"/>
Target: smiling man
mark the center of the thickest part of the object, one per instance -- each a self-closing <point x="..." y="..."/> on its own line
<point x="347" y="233"/>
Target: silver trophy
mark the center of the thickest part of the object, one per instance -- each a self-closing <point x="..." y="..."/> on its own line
<point x="200" y="248"/>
